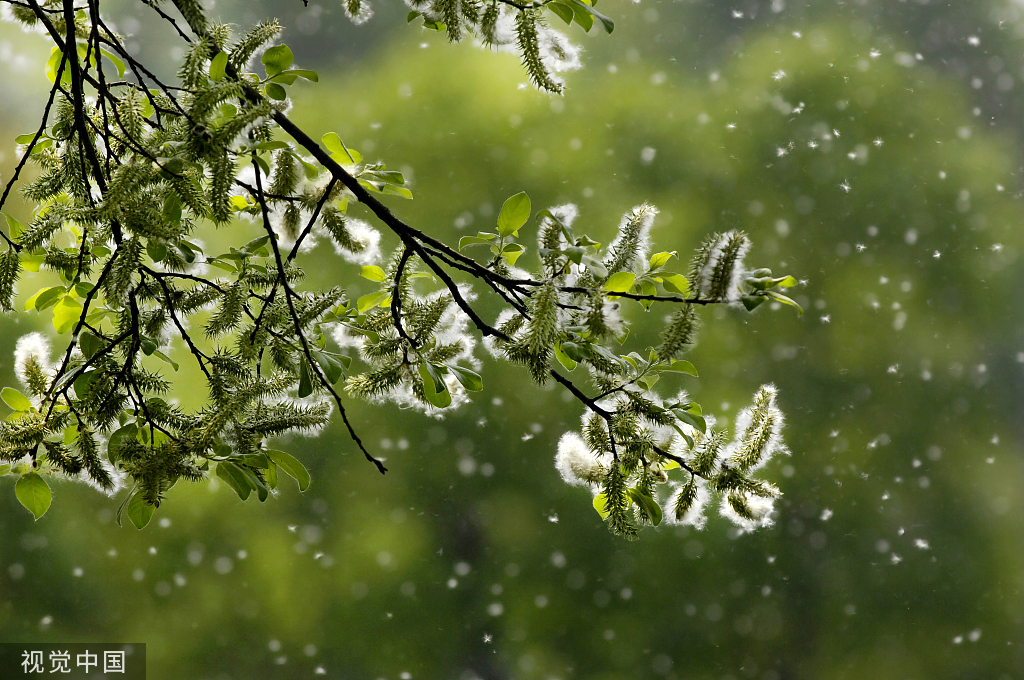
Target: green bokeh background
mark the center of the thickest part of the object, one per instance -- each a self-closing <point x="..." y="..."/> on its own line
<point x="898" y="551"/>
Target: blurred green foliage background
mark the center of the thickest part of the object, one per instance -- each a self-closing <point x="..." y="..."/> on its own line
<point x="871" y="149"/>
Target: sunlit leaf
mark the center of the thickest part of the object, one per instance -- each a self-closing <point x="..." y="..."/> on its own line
<point x="34" y="493"/>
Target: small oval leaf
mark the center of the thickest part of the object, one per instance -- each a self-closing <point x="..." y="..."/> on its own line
<point x="34" y="493"/>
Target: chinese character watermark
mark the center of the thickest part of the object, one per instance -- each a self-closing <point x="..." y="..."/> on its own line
<point x="86" y="660"/>
<point x="59" y="662"/>
<point x="113" y="662"/>
<point x="32" y="662"/>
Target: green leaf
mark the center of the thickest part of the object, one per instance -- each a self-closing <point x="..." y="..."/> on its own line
<point x="292" y="466"/>
<point x="470" y="380"/>
<point x="304" y="73"/>
<point x="368" y="302"/>
<point x="285" y="78"/>
<point x="649" y="381"/>
<point x="514" y="214"/>
<point x="118" y="64"/>
<point x="786" y="301"/>
<point x="512" y="252"/>
<point x="235" y="478"/>
<point x="148" y="345"/>
<point x="574" y="351"/>
<point x="277" y="59"/>
<point x="139" y="511"/>
<point x="607" y="23"/>
<point x="595" y="266"/>
<point x="53" y="64"/>
<point x="270" y="475"/>
<point x="373" y="273"/>
<point x="752" y="302"/>
<point x="647" y="505"/>
<point x="166" y="359"/>
<point x="276" y="92"/>
<point x="392" y="190"/>
<point x="697" y="422"/>
<point x="118" y="438"/>
<point x="681" y="366"/>
<point x="305" y="382"/>
<point x="601" y="505"/>
<point x="44" y="298"/>
<point x="620" y="282"/>
<point x="337" y="147"/>
<point x="66" y="314"/>
<point x="218" y="65"/>
<point x="172" y="207"/>
<point x="434" y="387"/>
<point x="659" y="259"/>
<point x="31" y="263"/>
<point x="786" y="282"/>
<point x="563" y="358"/>
<point x="669" y="464"/>
<point x="675" y="283"/>
<point x="15" y="399"/>
<point x="5" y="470"/>
<point x="563" y="12"/>
<point x="330" y="365"/>
<point x="14" y="227"/>
<point x="582" y="16"/>
<point x="34" y="493"/>
<point x="473" y="241"/>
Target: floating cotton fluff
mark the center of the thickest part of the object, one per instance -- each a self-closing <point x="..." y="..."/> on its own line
<point x="761" y="511"/>
<point x="722" y="272"/>
<point x="758" y="432"/>
<point x="574" y="461"/>
<point x="557" y="53"/>
<point x="117" y="477"/>
<point x="31" y="356"/>
<point x="453" y="327"/>
<point x="358" y="11"/>
<point x="628" y="251"/>
<point x="489" y="341"/>
<point x="362" y="234"/>
<point x="693" y="516"/>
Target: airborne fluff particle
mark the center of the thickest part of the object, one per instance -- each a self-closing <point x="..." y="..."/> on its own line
<point x="936" y="254"/>
<point x="736" y="14"/>
<point x="812" y="144"/>
<point x="874" y="53"/>
<point x="845" y="186"/>
<point x="878" y="141"/>
<point x="861" y="247"/>
<point x="973" y="41"/>
<point x="827" y="318"/>
<point x="778" y="75"/>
